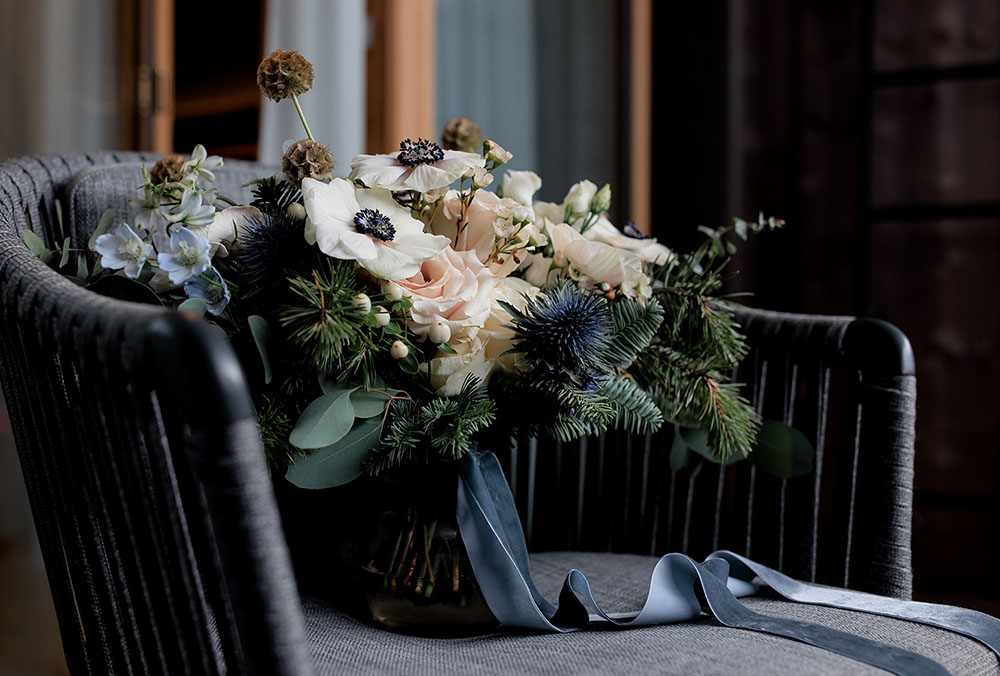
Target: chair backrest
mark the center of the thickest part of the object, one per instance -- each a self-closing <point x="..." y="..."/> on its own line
<point x="137" y="440"/>
<point x="847" y="384"/>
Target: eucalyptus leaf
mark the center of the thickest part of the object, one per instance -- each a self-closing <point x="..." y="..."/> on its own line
<point x="325" y="421"/>
<point x="782" y="451"/>
<point x="697" y="441"/>
<point x="680" y="454"/>
<point x="195" y="306"/>
<point x="107" y="218"/>
<point x="64" y="259"/>
<point x="338" y="463"/>
<point x="123" y="288"/>
<point x="392" y="329"/>
<point x="329" y="384"/>
<point x="37" y="246"/>
<point x="82" y="271"/>
<point x="368" y="403"/>
<point x="261" y="331"/>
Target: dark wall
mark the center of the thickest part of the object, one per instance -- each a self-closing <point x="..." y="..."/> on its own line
<point x="825" y="114"/>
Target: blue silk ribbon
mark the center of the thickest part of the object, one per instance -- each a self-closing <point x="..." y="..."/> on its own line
<point x="491" y="529"/>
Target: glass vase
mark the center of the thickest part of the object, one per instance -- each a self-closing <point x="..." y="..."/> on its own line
<point x="418" y="576"/>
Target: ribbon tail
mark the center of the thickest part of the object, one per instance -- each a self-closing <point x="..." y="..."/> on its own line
<point x="971" y="623"/>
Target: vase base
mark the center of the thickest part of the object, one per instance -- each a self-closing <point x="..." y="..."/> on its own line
<point x="406" y="616"/>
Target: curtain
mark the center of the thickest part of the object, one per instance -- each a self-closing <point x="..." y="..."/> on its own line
<point x="334" y="37"/>
<point x="60" y="85"/>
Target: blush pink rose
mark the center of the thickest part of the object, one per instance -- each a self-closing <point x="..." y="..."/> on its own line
<point x="454" y="287"/>
<point x="479" y="234"/>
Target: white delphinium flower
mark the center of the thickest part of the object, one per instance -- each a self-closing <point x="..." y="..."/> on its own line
<point x="188" y="255"/>
<point x="201" y="165"/>
<point x="420" y="166"/>
<point x="147" y="212"/>
<point x="368" y="226"/>
<point x="190" y="211"/>
<point x="123" y="249"/>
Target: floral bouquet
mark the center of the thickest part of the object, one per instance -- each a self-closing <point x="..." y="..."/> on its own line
<point x="420" y="306"/>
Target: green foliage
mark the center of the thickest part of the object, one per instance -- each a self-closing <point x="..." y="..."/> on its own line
<point x="273" y="193"/>
<point x="275" y="423"/>
<point x="634" y="410"/>
<point x="261" y="331"/>
<point x="635" y="325"/>
<point x="340" y="462"/>
<point x="325" y="420"/>
<point x="782" y="451"/>
<point x="441" y="428"/>
<point x="319" y="318"/>
<point x="685" y="366"/>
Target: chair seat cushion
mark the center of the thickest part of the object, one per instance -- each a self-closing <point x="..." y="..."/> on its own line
<point x="341" y="644"/>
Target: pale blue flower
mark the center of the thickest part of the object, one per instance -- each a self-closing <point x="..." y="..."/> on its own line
<point x="210" y="287"/>
<point x="121" y="249"/>
<point x="188" y="256"/>
<point x="191" y="211"/>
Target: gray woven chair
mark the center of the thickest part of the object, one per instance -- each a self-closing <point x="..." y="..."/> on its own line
<point x="165" y="550"/>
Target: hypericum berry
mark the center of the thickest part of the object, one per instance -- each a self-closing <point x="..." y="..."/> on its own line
<point x="362" y="303"/>
<point x="399" y="350"/>
<point x="282" y="74"/>
<point x="439" y="333"/>
<point x="393" y="291"/>
<point x="296" y="211"/>
<point x="381" y="316"/>
<point x="307" y="159"/>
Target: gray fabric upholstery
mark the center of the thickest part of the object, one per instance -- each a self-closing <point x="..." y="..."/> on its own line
<point x="341" y="644"/>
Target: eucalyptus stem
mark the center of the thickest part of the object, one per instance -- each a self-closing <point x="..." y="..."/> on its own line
<point x="302" y="116"/>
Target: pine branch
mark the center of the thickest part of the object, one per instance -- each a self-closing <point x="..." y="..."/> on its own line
<point x="635" y="325"/>
<point x="635" y="410"/>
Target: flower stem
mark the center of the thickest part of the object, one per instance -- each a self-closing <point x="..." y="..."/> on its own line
<point x="302" y="116"/>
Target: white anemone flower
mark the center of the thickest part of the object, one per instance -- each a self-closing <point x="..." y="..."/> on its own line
<point x="368" y="226"/>
<point x="420" y="166"/>
<point x="121" y="249"/>
<point x="188" y="256"/>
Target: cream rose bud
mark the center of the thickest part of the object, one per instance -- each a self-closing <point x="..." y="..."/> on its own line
<point x="453" y="288"/>
<point x="496" y="153"/>
<point x="399" y="350"/>
<point x="521" y="186"/>
<point x="602" y="200"/>
<point x="439" y="333"/>
<point x="362" y="303"/>
<point x="579" y="197"/>
<point x="381" y="316"/>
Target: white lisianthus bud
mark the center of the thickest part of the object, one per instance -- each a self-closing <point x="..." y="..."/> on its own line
<point x="579" y="197"/>
<point x="521" y="186"/>
<point x="393" y="291"/>
<point x="381" y="316"/>
<point x="481" y="178"/>
<point x="399" y="350"/>
<point x="439" y="333"/>
<point x="296" y="211"/>
<point x="503" y="227"/>
<point x="496" y="153"/>
<point x="363" y="303"/>
<point x="602" y="200"/>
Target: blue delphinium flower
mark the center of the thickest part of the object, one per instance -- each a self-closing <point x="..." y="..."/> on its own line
<point x="121" y="249"/>
<point x="268" y="245"/>
<point x="210" y="287"/>
<point x="188" y="256"/>
<point x="567" y="330"/>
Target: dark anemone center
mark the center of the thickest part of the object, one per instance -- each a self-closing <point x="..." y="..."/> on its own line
<point x="422" y="152"/>
<point x="373" y="222"/>
<point x="629" y="229"/>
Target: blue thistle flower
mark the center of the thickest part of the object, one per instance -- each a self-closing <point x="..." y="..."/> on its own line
<point x="567" y="330"/>
<point x="268" y="246"/>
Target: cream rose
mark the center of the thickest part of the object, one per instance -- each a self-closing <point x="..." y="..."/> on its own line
<point x="521" y="186"/>
<point x="454" y="287"/>
<point x="496" y="333"/>
<point x="449" y="371"/>
<point x="489" y="218"/>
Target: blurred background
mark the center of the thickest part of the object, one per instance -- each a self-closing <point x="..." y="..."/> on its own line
<point x="871" y="126"/>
